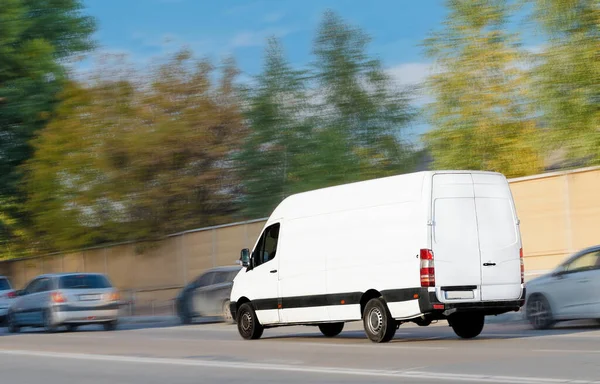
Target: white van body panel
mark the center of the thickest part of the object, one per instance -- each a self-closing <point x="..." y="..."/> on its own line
<point x="336" y="244"/>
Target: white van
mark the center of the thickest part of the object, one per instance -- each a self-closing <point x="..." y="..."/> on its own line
<point x="418" y="247"/>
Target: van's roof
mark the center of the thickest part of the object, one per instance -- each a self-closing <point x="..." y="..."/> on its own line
<point x="372" y="192"/>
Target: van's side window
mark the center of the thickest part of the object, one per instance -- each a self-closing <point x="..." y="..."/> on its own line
<point x="266" y="248"/>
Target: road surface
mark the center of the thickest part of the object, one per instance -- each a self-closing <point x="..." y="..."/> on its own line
<point x="214" y="353"/>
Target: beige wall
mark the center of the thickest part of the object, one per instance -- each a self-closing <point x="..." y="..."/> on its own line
<point x="559" y="213"/>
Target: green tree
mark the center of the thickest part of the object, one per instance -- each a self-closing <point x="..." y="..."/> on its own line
<point x="361" y="113"/>
<point x="130" y="159"/>
<point x="278" y="117"/>
<point x="482" y="115"/>
<point x="36" y="37"/>
<point x="567" y="77"/>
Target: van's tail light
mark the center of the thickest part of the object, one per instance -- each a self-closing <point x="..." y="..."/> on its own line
<point x="427" y="268"/>
<point x="11" y="295"/>
<point x="58" y="297"/>
<point x="522" y="266"/>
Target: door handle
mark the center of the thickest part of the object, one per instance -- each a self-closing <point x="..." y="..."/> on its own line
<point x="273" y="271"/>
<point x="489" y="264"/>
<point x="583" y="281"/>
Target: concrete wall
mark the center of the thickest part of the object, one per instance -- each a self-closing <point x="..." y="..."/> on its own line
<point x="559" y="213"/>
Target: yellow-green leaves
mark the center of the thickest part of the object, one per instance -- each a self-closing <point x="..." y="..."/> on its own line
<point x="481" y="117"/>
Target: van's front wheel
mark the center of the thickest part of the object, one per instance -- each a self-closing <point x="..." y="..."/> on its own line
<point x="247" y="323"/>
<point x="467" y="325"/>
<point x="379" y="325"/>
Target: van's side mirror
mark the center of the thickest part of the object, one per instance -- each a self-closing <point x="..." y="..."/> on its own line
<point x="245" y="257"/>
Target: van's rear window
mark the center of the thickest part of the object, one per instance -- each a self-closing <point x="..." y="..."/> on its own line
<point x="4" y="285"/>
<point x="84" y="282"/>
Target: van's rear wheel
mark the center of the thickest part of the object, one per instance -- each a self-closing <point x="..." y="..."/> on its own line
<point x="379" y="325"/>
<point x="331" y="329"/>
<point x="247" y="323"/>
<point x="467" y="325"/>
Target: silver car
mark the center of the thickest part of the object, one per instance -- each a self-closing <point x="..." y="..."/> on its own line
<point x="70" y="300"/>
<point x="570" y="292"/>
<point x="7" y="294"/>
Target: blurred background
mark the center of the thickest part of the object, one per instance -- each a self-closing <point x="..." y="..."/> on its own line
<point x="133" y="122"/>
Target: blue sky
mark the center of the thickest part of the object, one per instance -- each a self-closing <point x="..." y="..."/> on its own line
<point x="146" y="29"/>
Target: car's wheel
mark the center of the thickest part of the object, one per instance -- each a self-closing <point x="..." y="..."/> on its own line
<point x="379" y="325"/>
<point x="110" y="325"/>
<point x="248" y="324"/>
<point x="71" y="327"/>
<point x="50" y="325"/>
<point x="467" y="325"/>
<point x="226" y="312"/>
<point x="13" y="326"/>
<point x="331" y="329"/>
<point x="184" y="313"/>
<point x="539" y="313"/>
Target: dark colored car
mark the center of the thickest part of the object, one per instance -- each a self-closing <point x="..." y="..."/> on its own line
<point x="208" y="295"/>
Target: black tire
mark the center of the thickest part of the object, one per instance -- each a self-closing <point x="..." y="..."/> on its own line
<point x="379" y="325"/>
<point x="49" y="325"/>
<point x="11" y="323"/>
<point x="247" y="323"/>
<point x="110" y="326"/>
<point x="184" y="313"/>
<point x="226" y="312"/>
<point x="467" y="325"/>
<point x="539" y="312"/>
<point x="72" y="327"/>
<point x="331" y="329"/>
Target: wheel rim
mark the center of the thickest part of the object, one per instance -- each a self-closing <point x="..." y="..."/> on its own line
<point x="375" y="321"/>
<point x="226" y="311"/>
<point x="539" y="313"/>
<point x="246" y="322"/>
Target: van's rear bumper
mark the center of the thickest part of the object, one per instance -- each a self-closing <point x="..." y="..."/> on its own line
<point x="428" y="303"/>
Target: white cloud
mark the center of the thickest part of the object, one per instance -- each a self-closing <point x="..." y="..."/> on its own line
<point x="256" y="38"/>
<point x="410" y="73"/>
<point x="535" y="49"/>
<point x="413" y="75"/>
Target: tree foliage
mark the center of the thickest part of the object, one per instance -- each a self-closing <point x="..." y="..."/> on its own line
<point x="481" y="117"/>
<point x="125" y="160"/>
<point x="36" y="37"/>
<point x="567" y="77"/>
<point x="361" y="110"/>
<point x="339" y="122"/>
<point x="278" y="117"/>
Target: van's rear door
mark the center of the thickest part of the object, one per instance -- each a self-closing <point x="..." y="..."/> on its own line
<point x="499" y="240"/>
<point x="455" y="237"/>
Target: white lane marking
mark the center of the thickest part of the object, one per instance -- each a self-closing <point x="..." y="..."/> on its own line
<point x="340" y="371"/>
<point x="392" y="345"/>
<point x="586" y="351"/>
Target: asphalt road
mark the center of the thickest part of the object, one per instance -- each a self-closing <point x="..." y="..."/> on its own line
<point x="214" y="353"/>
